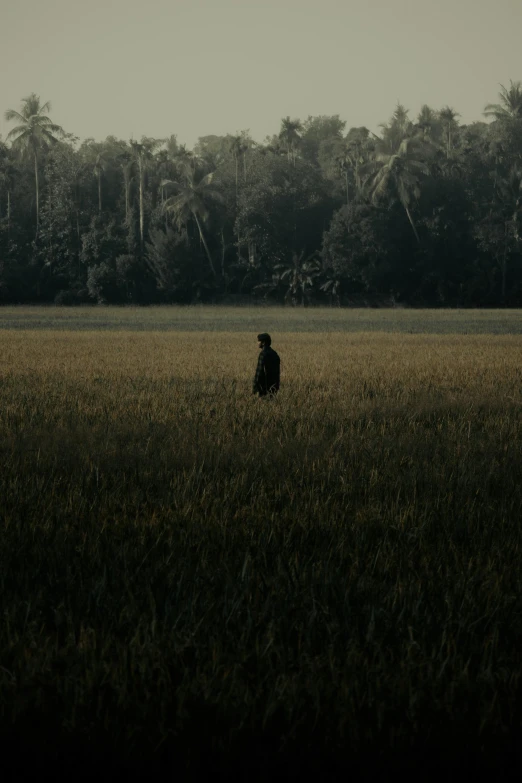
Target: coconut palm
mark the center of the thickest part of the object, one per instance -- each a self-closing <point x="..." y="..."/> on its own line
<point x="344" y="161"/>
<point x="428" y="123"/>
<point x="509" y="194"/>
<point x="510" y="106"/>
<point x="189" y="201"/>
<point x="237" y="147"/>
<point x="397" y="174"/>
<point x="351" y="153"/>
<point x="126" y="162"/>
<point x="398" y="128"/>
<point x="101" y="164"/>
<point x="448" y="119"/>
<point x="34" y="133"/>
<point x="184" y="157"/>
<point x="509" y="191"/>
<point x="290" y="136"/>
<point x="7" y="179"/>
<point x="143" y="153"/>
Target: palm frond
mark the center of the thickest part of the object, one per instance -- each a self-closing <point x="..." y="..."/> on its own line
<point x="169" y="182"/>
<point x="11" y="115"/>
<point x="45" y="107"/>
<point x="51" y="127"/>
<point x="173" y="204"/>
<point x="381" y="184"/>
<point x="19" y="130"/>
<point x="494" y="110"/>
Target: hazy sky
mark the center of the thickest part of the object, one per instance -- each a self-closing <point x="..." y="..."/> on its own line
<point x="196" y="67"/>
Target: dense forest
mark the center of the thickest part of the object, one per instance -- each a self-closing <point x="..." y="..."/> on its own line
<point x="427" y="213"/>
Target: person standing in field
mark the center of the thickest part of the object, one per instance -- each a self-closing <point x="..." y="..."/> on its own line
<point x="266" y="380"/>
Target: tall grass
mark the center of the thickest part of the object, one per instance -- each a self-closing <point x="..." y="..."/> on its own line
<point x="186" y="566"/>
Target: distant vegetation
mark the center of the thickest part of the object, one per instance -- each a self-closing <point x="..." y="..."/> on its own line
<point x="428" y="212"/>
<point x="186" y="565"/>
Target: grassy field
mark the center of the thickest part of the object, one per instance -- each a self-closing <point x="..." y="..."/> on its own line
<point x="186" y="568"/>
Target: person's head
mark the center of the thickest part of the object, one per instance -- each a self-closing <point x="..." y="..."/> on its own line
<point x="264" y="340"/>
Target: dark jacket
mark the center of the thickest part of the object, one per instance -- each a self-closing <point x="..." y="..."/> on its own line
<point x="267" y="372"/>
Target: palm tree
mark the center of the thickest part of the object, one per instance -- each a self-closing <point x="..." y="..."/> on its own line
<point x="344" y="161"/>
<point x="184" y="157"/>
<point x="299" y="275"/>
<point x="290" y="136"/>
<point x="448" y="118"/>
<point x="332" y="286"/>
<point x="398" y="128"/>
<point x="7" y="178"/>
<point x="510" y="106"/>
<point x="126" y="162"/>
<point x="398" y="173"/>
<point x="428" y="123"/>
<point x="143" y="152"/>
<point x="190" y="201"/>
<point x="101" y="164"/>
<point x="351" y="153"/>
<point x="509" y="193"/>
<point x="34" y="133"/>
<point x="237" y="148"/>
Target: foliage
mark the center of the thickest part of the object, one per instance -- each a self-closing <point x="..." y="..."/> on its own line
<point x="244" y="209"/>
<point x="176" y="269"/>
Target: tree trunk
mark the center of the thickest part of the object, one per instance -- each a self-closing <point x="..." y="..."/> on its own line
<point x="204" y="241"/>
<point x="238" y="240"/>
<point x="347" y="191"/>
<point x="412" y="224"/>
<point x="163" y="209"/>
<point x="99" y="193"/>
<point x="8" y="213"/>
<point x="141" y="204"/>
<point x="504" y="265"/>
<point x="251" y="253"/>
<point x="223" y="260"/>
<point x="37" y="194"/>
<point x="50" y="227"/>
<point x="126" y="187"/>
<point x="78" y="205"/>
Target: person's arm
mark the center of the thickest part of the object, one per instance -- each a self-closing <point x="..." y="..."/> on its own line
<point x="260" y="369"/>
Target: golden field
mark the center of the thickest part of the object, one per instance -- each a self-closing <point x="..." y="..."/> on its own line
<point x="186" y="566"/>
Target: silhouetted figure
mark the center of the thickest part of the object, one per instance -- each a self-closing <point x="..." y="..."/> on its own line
<point x="266" y="381"/>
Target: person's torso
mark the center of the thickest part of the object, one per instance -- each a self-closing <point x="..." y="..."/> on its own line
<point x="271" y="361"/>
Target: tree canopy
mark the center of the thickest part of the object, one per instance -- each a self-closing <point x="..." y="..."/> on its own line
<point x="426" y="212"/>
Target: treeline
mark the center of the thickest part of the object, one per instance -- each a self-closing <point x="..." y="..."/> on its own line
<point x="429" y="212"/>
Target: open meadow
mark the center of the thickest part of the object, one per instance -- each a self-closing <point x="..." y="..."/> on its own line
<point x="186" y="568"/>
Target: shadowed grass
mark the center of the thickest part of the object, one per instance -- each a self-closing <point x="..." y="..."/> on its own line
<point x="185" y="566"/>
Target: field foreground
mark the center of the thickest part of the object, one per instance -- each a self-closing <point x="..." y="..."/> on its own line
<point x="186" y="568"/>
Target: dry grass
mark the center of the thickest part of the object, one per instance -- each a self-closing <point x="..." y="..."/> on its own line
<point x="182" y="559"/>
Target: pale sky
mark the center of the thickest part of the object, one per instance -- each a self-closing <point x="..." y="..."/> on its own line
<point x="199" y="67"/>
